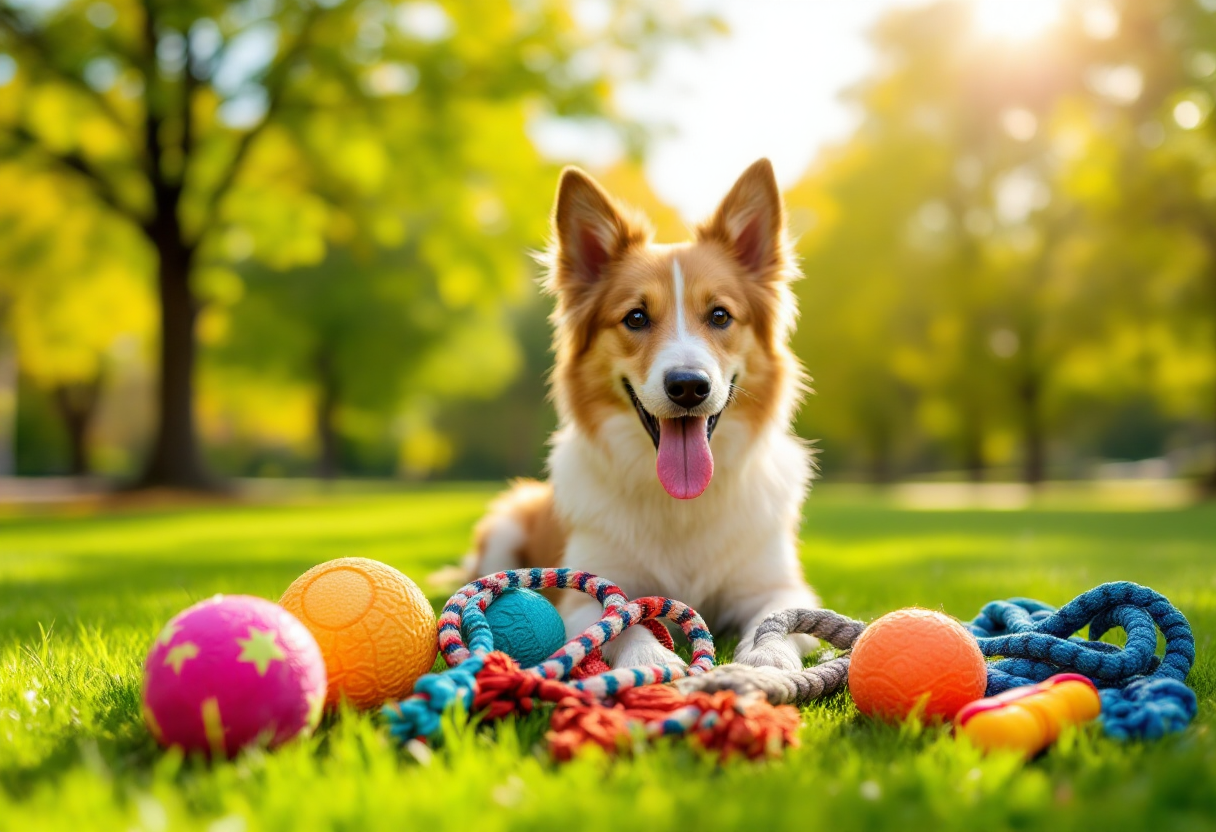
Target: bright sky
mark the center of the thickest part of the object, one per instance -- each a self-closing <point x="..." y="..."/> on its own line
<point x="770" y="88"/>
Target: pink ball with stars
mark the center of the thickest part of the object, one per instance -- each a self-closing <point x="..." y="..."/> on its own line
<point x="233" y="671"/>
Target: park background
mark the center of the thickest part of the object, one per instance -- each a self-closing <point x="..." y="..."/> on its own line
<point x="1006" y="214"/>
<point x="267" y="298"/>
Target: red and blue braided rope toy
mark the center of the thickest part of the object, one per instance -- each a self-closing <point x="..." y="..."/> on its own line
<point x="459" y="615"/>
<point x="490" y="683"/>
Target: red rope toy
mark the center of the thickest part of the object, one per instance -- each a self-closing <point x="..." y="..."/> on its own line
<point x="608" y="708"/>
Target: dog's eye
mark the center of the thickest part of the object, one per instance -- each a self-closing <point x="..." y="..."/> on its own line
<point x="719" y="318"/>
<point x="637" y="319"/>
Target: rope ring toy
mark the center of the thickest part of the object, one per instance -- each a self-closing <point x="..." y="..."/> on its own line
<point x="481" y="679"/>
<point x="465" y="612"/>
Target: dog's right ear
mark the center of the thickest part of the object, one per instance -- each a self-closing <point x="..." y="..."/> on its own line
<point x="590" y="232"/>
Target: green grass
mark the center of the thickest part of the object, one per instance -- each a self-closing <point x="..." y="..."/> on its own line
<point x="81" y="598"/>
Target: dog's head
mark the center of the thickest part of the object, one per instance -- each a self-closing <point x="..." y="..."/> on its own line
<point x="691" y="337"/>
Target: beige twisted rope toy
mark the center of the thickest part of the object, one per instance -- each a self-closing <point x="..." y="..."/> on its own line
<point x="785" y="687"/>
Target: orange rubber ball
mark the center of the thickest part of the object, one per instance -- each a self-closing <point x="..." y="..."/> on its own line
<point x="912" y="656"/>
<point x="374" y="626"/>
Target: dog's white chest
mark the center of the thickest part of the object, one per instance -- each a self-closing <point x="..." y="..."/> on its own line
<point x="738" y="535"/>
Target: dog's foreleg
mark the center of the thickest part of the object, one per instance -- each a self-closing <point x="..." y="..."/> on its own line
<point x="634" y="647"/>
<point x="785" y="653"/>
<point x="579" y="613"/>
<point x="637" y="647"/>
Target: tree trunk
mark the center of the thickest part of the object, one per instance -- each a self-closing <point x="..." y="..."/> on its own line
<point x="327" y="405"/>
<point x="77" y="403"/>
<point x="880" y="457"/>
<point x="175" y="461"/>
<point x="973" y="443"/>
<point x="1034" y="455"/>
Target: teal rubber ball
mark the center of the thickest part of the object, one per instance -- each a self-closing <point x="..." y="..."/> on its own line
<point x="525" y="626"/>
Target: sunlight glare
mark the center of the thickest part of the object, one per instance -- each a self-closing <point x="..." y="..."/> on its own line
<point x="1015" y="19"/>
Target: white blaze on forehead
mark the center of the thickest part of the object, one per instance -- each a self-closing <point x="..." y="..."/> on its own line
<point x="677" y="279"/>
<point x="682" y="349"/>
<point x="685" y="347"/>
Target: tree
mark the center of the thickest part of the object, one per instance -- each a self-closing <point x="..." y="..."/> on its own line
<point x="1165" y="204"/>
<point x="900" y="291"/>
<point x="275" y="129"/>
<point x="855" y="300"/>
<point x="955" y="231"/>
<point x="73" y="287"/>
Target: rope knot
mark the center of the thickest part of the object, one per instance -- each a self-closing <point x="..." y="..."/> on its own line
<point x="1148" y="709"/>
<point x="503" y="688"/>
<point x="721" y="722"/>
<point x="1143" y="695"/>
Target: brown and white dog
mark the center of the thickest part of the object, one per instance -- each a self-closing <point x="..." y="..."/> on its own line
<point x="674" y="470"/>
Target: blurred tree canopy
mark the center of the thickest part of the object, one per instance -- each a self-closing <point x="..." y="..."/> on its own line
<point x="311" y="221"/>
<point x="68" y="307"/>
<point x="323" y="191"/>
<point x="1013" y="252"/>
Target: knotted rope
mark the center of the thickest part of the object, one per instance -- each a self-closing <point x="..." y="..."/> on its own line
<point x="608" y="709"/>
<point x="1143" y="696"/>
<point x="782" y="687"/>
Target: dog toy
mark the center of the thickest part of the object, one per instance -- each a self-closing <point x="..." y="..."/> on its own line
<point x="1030" y="718"/>
<point x="608" y="709"/>
<point x="736" y="708"/>
<point x="781" y="687"/>
<point x="374" y="626"/>
<point x="1143" y="696"/>
<point x="230" y="672"/>
<point x="916" y="659"/>
<point x="525" y="626"/>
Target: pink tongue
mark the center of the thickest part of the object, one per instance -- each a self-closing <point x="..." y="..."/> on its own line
<point x="685" y="464"/>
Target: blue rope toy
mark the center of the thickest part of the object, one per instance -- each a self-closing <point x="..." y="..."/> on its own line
<point x="1143" y="696"/>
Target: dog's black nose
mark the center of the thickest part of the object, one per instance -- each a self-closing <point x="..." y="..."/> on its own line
<point x="687" y="388"/>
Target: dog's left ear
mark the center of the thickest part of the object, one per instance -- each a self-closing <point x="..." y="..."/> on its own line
<point x="750" y="222"/>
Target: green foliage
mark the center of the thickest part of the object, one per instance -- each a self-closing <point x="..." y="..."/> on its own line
<point x="350" y="141"/>
<point x="66" y="307"/>
<point x="1015" y="240"/>
<point x="81" y="598"/>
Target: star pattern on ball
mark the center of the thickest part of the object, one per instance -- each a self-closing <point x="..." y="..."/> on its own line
<point x="179" y="655"/>
<point x="260" y="649"/>
<point x="167" y="634"/>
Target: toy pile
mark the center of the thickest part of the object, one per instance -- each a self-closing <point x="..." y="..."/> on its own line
<point x="236" y="670"/>
<point x="910" y="661"/>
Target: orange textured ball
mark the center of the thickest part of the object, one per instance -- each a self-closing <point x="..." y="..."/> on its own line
<point x="914" y="655"/>
<point x="375" y="628"/>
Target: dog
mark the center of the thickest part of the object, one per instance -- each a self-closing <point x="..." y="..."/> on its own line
<point x="674" y="470"/>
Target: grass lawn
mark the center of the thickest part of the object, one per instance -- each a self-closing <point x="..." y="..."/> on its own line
<point x="81" y="598"/>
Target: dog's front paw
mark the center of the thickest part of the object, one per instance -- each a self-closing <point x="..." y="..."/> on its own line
<point x="642" y="654"/>
<point x="778" y="653"/>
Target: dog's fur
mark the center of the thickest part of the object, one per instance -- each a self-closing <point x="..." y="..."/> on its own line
<point x="732" y="552"/>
